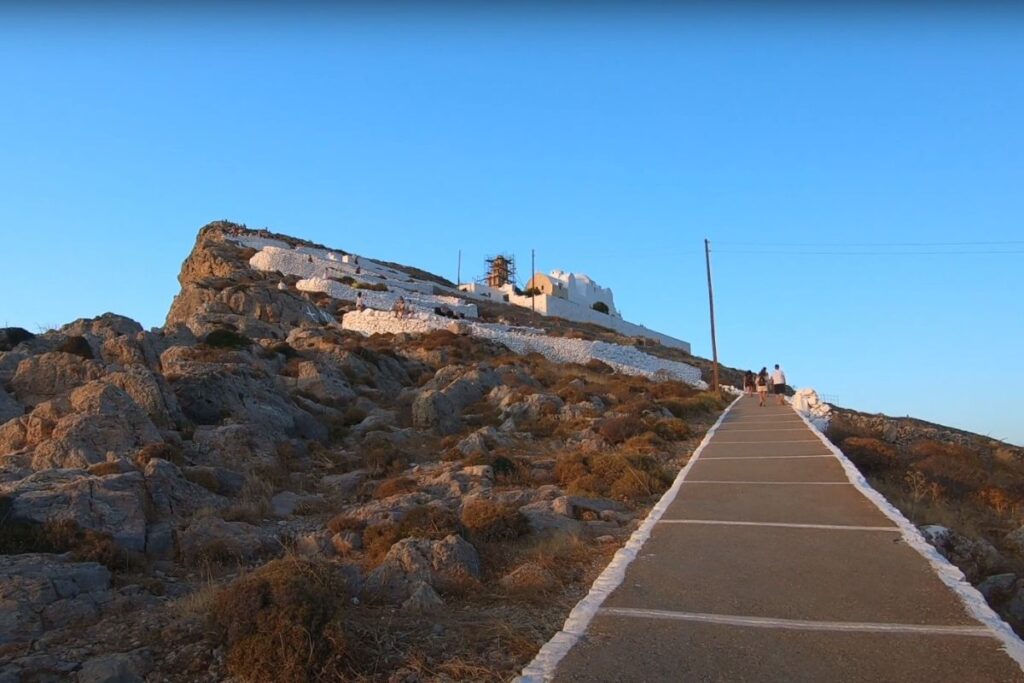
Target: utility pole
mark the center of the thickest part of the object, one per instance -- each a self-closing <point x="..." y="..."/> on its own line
<point x="533" y="290"/>
<point x="711" y="304"/>
<point x="458" y="272"/>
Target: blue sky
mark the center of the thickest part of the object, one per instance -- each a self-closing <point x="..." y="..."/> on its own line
<point x="826" y="156"/>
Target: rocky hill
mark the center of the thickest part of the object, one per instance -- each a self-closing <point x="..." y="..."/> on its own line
<point x="263" y="490"/>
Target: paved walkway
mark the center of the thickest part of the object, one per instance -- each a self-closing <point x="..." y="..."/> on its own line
<point x="770" y="566"/>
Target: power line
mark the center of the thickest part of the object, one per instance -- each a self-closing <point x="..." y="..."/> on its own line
<point x="837" y="245"/>
<point x="872" y="252"/>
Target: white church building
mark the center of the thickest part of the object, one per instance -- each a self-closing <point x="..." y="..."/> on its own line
<point x="573" y="296"/>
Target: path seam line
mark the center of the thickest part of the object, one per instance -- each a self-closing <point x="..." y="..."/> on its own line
<point x="799" y="624"/>
<point x="769" y="483"/>
<point x="785" y="525"/>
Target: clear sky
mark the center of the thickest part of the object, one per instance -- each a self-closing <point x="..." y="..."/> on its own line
<point x="827" y="156"/>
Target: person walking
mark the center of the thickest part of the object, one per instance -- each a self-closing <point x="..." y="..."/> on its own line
<point x="779" y="384"/>
<point x="748" y="383"/>
<point x="762" y="386"/>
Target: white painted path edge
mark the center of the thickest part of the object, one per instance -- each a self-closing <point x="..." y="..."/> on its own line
<point x="947" y="572"/>
<point x="543" y="666"/>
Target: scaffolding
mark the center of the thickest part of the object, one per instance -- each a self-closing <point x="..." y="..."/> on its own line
<point x="501" y="270"/>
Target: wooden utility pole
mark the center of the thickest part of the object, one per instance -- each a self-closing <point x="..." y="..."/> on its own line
<point x="458" y="272"/>
<point x="711" y="304"/>
<point x="533" y="290"/>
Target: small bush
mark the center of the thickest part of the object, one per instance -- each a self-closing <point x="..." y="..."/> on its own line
<point x="78" y="346"/>
<point x="671" y="429"/>
<point x="283" y="623"/>
<point x="394" y="487"/>
<point x="701" y="404"/>
<point x="61" y="536"/>
<point x="625" y="476"/>
<point x="488" y="522"/>
<point x="617" y="429"/>
<point x="371" y="286"/>
<point x="377" y="541"/>
<point x="598" y="366"/>
<point x="428" y="521"/>
<point x="340" y="523"/>
<point x="102" y="469"/>
<point x="226" y="339"/>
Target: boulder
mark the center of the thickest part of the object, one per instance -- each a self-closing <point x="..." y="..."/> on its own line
<point x="431" y="409"/>
<point x="975" y="557"/>
<point x="113" y="505"/>
<point x="211" y="539"/>
<point x="12" y="336"/>
<point x="151" y="393"/>
<point x="114" y="668"/>
<point x="9" y="408"/>
<point x="411" y="561"/>
<point x="343" y="485"/>
<point x="997" y="587"/>
<point x="423" y="599"/>
<point x="48" y="375"/>
<point x="235" y="446"/>
<point x="173" y="495"/>
<point x="208" y="397"/>
<point x="39" y="592"/>
<point x="324" y="381"/>
<point x="105" y="424"/>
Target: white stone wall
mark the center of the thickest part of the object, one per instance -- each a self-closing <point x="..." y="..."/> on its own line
<point x="626" y="359"/>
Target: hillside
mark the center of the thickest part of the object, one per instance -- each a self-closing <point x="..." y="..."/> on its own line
<point x="256" y="487"/>
<point x="278" y="486"/>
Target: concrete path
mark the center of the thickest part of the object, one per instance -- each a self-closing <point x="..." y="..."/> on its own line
<point x="771" y="566"/>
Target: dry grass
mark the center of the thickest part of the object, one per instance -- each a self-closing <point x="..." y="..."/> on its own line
<point x="283" y="622"/>
<point x="394" y="487"/>
<point x="617" y="429"/>
<point x="629" y="477"/>
<point x="491" y="523"/>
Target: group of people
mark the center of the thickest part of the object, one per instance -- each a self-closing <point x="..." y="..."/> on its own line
<point x="764" y="383"/>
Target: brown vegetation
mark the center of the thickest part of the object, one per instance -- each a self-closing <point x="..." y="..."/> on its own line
<point x="283" y="622"/>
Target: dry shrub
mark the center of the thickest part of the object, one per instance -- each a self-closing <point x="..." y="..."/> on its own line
<point x="164" y="451"/>
<point x="647" y="443"/>
<point x="394" y="487"/>
<point x="428" y="521"/>
<point x="342" y="522"/>
<point x="869" y="454"/>
<point x="625" y="476"/>
<point x="205" y="477"/>
<point x="701" y="404"/>
<point x="62" y="536"/>
<point x="425" y="521"/>
<point x="671" y="429"/>
<point x="671" y="389"/>
<point x="102" y="469"/>
<point x="617" y="429"/>
<point x="283" y="623"/>
<point x="488" y="522"/>
<point x="377" y="541"/>
<point x="252" y="504"/>
<point x="598" y="366"/>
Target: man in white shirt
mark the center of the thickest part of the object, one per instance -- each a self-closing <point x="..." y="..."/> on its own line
<point x="779" y="384"/>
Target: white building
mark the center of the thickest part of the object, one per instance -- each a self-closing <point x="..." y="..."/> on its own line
<point x="573" y="296"/>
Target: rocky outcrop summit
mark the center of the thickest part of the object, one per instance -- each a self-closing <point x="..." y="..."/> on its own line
<point x="161" y="468"/>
